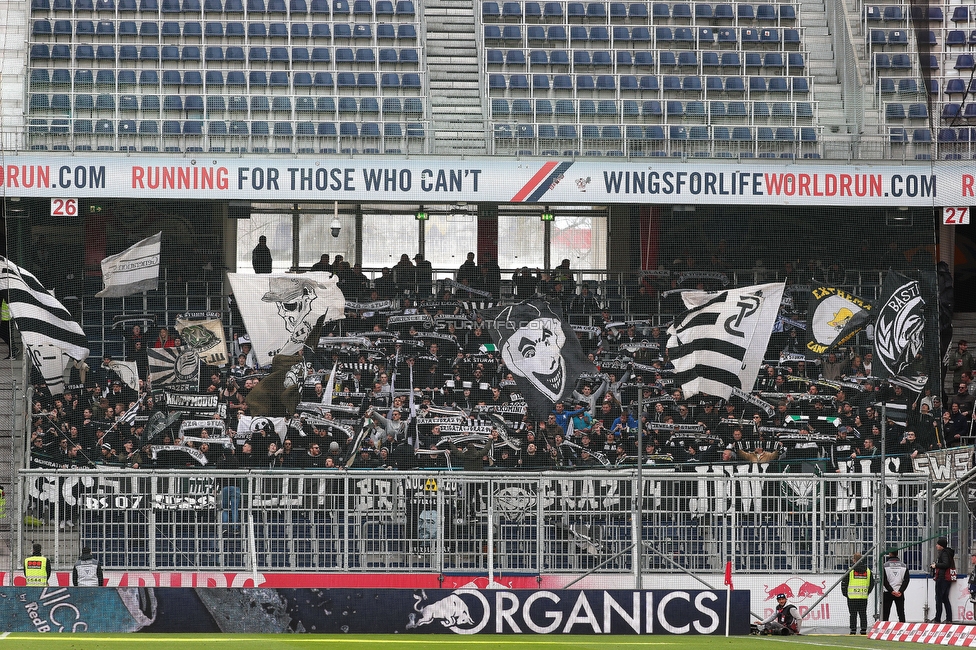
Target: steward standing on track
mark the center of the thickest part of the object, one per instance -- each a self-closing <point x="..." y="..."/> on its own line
<point x="856" y="586"/>
<point x="87" y="571"/>
<point x="896" y="580"/>
<point x="37" y="568"/>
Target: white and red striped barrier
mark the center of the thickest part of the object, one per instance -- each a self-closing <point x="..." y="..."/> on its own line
<point x="952" y="634"/>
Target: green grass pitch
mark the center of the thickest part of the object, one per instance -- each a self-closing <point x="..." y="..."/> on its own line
<point x="26" y="641"/>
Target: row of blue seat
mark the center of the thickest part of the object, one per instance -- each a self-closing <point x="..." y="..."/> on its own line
<point x="650" y="83"/>
<point x="216" y="54"/>
<point x="214" y="104"/>
<point x="656" y="132"/>
<point x="965" y="134"/>
<point x="896" y="111"/>
<point x="882" y="37"/>
<point x="219" y="127"/>
<point x="150" y="79"/>
<point x="297" y="30"/>
<point x="651" y="109"/>
<point x="952" y="111"/>
<point x="599" y="34"/>
<point x="384" y="8"/>
<point x="901" y="135"/>
<point x="600" y="11"/>
<point x="643" y="58"/>
<point x="889" y="13"/>
<point x="903" y="61"/>
<point x="151" y="29"/>
<point x="958" y="38"/>
<point x="908" y="86"/>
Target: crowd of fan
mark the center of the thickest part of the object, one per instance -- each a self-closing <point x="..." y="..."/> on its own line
<point x="825" y="413"/>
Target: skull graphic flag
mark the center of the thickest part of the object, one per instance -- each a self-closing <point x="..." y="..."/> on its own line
<point x="541" y="351"/>
<point x="280" y="311"/>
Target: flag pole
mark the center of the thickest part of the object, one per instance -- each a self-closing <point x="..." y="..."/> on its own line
<point x="639" y="519"/>
<point x="728" y="595"/>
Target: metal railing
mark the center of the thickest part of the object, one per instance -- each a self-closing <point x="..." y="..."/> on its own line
<point x="495" y="523"/>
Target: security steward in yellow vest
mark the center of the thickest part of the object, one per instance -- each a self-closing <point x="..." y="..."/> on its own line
<point x="37" y="568"/>
<point x="856" y="586"/>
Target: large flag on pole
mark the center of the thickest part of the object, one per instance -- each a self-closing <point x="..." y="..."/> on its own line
<point x="719" y="343"/>
<point x="834" y="317"/>
<point x="134" y="270"/>
<point x="39" y="316"/>
<point x="542" y="352"/>
<point x="899" y="330"/>
<point x="280" y="311"/>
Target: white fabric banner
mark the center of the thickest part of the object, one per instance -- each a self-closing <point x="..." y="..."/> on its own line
<point x="280" y="311"/>
<point x="134" y="270"/>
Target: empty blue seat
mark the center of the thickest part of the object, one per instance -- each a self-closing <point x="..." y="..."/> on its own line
<point x="644" y="59"/>
<point x="663" y="35"/>
<point x="236" y="78"/>
<point x="149" y="53"/>
<point x="897" y="37"/>
<point x="778" y="85"/>
<point x="784" y="134"/>
<point x="84" y="53"/>
<point x="640" y="35"/>
<point x="757" y="85"/>
<point x="894" y="111"/>
<point x="649" y="83"/>
<point x="727" y="35"/>
<point x="749" y="35"/>
<point x="955" y="38"/>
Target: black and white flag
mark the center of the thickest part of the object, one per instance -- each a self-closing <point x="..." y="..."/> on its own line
<point x="899" y="330"/>
<point x="168" y="366"/>
<point x="834" y="317"/>
<point x="541" y="350"/>
<point x="280" y="311"/>
<point x="719" y="343"/>
<point x="134" y="270"/>
<point x="40" y="317"/>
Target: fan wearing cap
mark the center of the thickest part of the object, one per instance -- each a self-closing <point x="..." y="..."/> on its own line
<point x="944" y="569"/>
<point x="784" y="620"/>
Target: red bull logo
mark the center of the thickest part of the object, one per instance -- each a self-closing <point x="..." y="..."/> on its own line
<point x="778" y="589"/>
<point x="796" y="588"/>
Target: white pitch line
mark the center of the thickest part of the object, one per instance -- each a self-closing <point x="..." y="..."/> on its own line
<point x="826" y="645"/>
<point x="310" y="638"/>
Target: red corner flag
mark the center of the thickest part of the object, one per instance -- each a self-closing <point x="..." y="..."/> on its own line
<point x="728" y="575"/>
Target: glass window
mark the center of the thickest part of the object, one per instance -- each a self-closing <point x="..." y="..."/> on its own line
<point x="520" y="241"/>
<point x="449" y="238"/>
<point x="315" y="236"/>
<point x="386" y="237"/>
<point x="277" y="228"/>
<point x="580" y="238"/>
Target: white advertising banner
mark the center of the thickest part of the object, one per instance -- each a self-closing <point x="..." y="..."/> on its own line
<point x="539" y="180"/>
